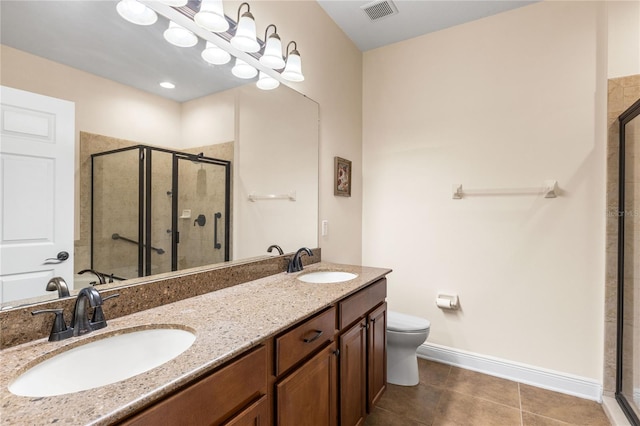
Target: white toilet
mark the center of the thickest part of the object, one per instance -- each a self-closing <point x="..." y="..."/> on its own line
<point x="404" y="334"/>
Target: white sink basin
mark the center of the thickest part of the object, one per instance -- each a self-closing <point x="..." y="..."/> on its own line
<point x="326" y="277"/>
<point x="102" y="362"/>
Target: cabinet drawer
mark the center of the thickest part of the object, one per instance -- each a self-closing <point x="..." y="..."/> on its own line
<point x="214" y="398"/>
<point x="296" y="344"/>
<point x="357" y="305"/>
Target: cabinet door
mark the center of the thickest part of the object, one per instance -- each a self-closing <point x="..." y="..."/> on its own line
<point x="257" y="414"/>
<point x="353" y="375"/>
<point x="377" y="353"/>
<point x="308" y="396"/>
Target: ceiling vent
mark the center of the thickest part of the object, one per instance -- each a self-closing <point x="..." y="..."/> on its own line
<point x="379" y="9"/>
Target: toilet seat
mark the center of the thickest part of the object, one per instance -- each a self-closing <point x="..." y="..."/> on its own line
<point x="400" y="322"/>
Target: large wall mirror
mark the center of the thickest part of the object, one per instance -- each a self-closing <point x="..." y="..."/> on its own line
<point x="84" y="52"/>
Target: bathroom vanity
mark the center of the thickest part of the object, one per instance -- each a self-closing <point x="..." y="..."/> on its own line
<point x="270" y="351"/>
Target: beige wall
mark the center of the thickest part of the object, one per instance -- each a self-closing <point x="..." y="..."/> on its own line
<point x="623" y="38"/>
<point x="332" y="66"/>
<point x="506" y="101"/>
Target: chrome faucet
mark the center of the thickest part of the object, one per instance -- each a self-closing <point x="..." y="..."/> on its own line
<point x="271" y="247"/>
<point x="295" y="264"/>
<point x="57" y="283"/>
<point x="80" y="320"/>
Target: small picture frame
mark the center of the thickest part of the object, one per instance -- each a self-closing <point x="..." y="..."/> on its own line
<point x="342" y="177"/>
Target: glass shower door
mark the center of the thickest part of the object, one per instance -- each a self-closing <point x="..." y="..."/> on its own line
<point x="115" y="227"/>
<point x="202" y="219"/>
<point x="628" y="362"/>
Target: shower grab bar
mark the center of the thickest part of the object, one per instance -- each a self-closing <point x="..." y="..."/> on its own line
<point x="216" y="244"/>
<point x="549" y="189"/>
<point x="290" y="196"/>
<point x="117" y="236"/>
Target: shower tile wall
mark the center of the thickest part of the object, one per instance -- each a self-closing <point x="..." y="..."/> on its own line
<point x="622" y="93"/>
<point x="128" y="187"/>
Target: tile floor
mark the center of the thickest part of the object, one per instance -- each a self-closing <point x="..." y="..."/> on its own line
<point x="453" y="396"/>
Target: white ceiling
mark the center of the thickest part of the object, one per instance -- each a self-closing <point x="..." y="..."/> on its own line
<point x="89" y="35"/>
<point x="414" y="18"/>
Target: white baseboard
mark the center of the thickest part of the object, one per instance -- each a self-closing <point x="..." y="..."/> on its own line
<point x="535" y="376"/>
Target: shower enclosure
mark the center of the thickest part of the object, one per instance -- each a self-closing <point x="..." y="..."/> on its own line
<point x="154" y="210"/>
<point x="628" y="322"/>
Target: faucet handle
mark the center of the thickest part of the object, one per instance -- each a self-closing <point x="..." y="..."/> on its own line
<point x="59" y="330"/>
<point x="97" y="319"/>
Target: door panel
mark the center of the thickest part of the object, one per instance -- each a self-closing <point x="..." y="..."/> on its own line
<point x="36" y="194"/>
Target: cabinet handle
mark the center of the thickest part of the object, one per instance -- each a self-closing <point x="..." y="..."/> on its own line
<point x="315" y="337"/>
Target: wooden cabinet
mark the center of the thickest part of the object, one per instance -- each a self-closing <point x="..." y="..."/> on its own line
<point x="308" y="396"/>
<point x="329" y="389"/>
<point x="363" y="366"/>
<point x="353" y="374"/>
<point x="376" y="355"/>
<point x="257" y="414"/>
<point x="215" y="399"/>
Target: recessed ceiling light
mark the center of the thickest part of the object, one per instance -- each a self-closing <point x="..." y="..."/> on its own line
<point x="168" y="85"/>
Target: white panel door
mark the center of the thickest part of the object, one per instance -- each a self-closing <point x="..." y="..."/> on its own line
<point x="37" y="146"/>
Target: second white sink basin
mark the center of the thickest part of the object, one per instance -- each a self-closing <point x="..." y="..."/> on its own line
<point x="326" y="277"/>
<point x="102" y="362"/>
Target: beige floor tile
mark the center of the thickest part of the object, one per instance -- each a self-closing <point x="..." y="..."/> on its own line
<point x="413" y="402"/>
<point x="433" y="373"/>
<point x="562" y="407"/>
<point x="483" y="386"/>
<point x="529" y="419"/>
<point x="382" y="417"/>
<point x="458" y="409"/>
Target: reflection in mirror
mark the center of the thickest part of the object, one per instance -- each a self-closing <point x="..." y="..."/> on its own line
<point x="270" y="138"/>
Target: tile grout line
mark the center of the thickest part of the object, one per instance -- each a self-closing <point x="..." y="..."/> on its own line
<point x="444" y="389"/>
<point x="520" y="403"/>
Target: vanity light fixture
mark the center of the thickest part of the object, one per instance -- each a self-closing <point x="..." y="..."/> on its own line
<point x="243" y="70"/>
<point x="174" y="3"/>
<point x="180" y="36"/>
<point x="215" y="55"/>
<point x="211" y="16"/>
<point x="245" y="37"/>
<point x="167" y="85"/>
<point x="272" y="56"/>
<point x="293" y="69"/>
<point x="266" y="82"/>
<point x="136" y="12"/>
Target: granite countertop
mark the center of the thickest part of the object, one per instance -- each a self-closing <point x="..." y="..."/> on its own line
<point x="226" y="322"/>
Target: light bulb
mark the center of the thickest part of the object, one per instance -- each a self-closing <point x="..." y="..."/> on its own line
<point x="180" y="36"/>
<point x="136" y="12"/>
<point x="293" y="69"/>
<point x="211" y="16"/>
<point x="266" y="82"/>
<point x="243" y="70"/>
<point x="245" y="37"/>
<point x="272" y="56"/>
<point x="215" y="55"/>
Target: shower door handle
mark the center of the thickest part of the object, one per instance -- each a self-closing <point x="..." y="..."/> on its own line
<point x="216" y="244"/>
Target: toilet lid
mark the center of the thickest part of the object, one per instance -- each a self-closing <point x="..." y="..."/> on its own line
<point x="397" y="321"/>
